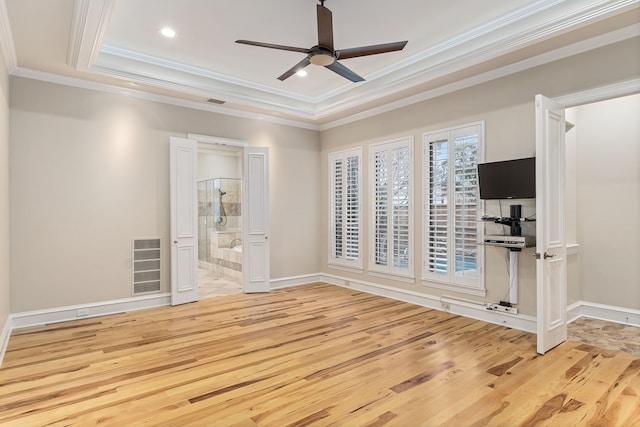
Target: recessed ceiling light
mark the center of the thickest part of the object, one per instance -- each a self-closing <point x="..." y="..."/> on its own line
<point x="168" y="32"/>
<point x="301" y="73"/>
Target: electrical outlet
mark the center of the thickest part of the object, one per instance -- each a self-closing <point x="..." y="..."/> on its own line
<point x="445" y="306"/>
<point x="82" y="312"/>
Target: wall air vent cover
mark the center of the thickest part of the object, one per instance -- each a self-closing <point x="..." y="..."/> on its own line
<point x="146" y="265"/>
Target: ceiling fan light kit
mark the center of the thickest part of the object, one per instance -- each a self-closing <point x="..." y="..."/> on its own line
<point x="323" y="54"/>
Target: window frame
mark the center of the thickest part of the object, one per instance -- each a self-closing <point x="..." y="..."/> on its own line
<point x="332" y="260"/>
<point x="389" y="270"/>
<point x="450" y="281"/>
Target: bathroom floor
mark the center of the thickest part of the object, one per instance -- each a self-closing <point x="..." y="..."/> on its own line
<point x="210" y="285"/>
<point x="608" y="335"/>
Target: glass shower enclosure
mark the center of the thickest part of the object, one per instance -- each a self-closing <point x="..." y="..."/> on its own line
<point x="219" y="225"/>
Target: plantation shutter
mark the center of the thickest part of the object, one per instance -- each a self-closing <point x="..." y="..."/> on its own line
<point x="400" y="205"/>
<point x="391" y="207"/>
<point x="380" y="198"/>
<point x="337" y="207"/>
<point x="344" y="208"/>
<point x="438" y="205"/>
<point x="452" y="230"/>
<point x="352" y="217"/>
<point x="465" y="174"/>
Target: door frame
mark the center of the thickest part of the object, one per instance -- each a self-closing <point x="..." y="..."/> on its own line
<point x="602" y="93"/>
<point x="243" y="147"/>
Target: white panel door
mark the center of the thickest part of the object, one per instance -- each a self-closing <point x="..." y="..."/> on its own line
<point x="184" y="220"/>
<point x="255" y="245"/>
<point x="551" y="251"/>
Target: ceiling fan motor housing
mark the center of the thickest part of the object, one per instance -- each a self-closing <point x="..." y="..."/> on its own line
<point x="321" y="56"/>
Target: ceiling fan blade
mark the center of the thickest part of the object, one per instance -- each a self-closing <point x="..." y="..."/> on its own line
<point x="273" y="46"/>
<point x="325" y="27"/>
<point x="370" y="50"/>
<point x="338" y="68"/>
<point x="299" y="66"/>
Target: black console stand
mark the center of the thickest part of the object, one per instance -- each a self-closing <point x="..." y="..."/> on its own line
<point x="513" y="221"/>
<point x="515" y="213"/>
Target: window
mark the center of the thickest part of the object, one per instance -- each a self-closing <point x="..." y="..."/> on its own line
<point x="391" y="222"/>
<point x="451" y="254"/>
<point x="345" y="176"/>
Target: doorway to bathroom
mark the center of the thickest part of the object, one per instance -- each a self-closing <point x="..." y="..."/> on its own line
<point x="219" y="177"/>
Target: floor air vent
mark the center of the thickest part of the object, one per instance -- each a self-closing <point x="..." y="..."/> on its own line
<point x="146" y="265"/>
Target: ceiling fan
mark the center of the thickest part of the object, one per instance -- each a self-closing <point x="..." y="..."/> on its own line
<point x="323" y="53"/>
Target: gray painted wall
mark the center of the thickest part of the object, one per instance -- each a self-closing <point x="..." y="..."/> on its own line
<point x="4" y="195"/>
<point x="90" y="171"/>
<point x="507" y="107"/>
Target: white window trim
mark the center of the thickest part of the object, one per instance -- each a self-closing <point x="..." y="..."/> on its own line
<point x="388" y="271"/>
<point x="344" y="264"/>
<point x="435" y="280"/>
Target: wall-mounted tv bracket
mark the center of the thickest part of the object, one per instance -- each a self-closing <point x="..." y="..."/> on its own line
<point x="513" y="221"/>
<point x="514" y="245"/>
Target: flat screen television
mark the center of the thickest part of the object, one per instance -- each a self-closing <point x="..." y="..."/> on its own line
<point x="510" y="179"/>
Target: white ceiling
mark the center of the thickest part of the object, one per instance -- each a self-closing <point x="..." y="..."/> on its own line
<point x="118" y="43"/>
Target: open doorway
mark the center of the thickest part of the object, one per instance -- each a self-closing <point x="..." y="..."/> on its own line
<point x="254" y="211"/>
<point x="219" y="176"/>
<point x="603" y="184"/>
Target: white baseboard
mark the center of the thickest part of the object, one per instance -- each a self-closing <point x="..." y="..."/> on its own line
<point x="102" y="308"/>
<point x="610" y="313"/>
<point x="285" y="282"/>
<point x="574" y="311"/>
<point x="5" y="333"/>
<point x="463" y="308"/>
<point x="457" y="306"/>
<point x="63" y="314"/>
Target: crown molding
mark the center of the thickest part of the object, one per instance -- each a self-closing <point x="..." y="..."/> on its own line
<point x="119" y="90"/>
<point x="88" y="28"/>
<point x="619" y="89"/>
<point x="7" y="47"/>
<point x="200" y="72"/>
<point x="466" y="50"/>
<point x="624" y="88"/>
<point x="92" y="16"/>
<point x="258" y="103"/>
<point x="615" y="90"/>
<point x="491" y="50"/>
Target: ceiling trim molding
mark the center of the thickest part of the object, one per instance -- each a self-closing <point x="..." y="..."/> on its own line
<point x="460" y="39"/>
<point x="583" y="46"/>
<point x="88" y="28"/>
<point x="199" y="91"/>
<point x="545" y="58"/>
<point x="6" y="39"/>
<point x="466" y="61"/>
<point x="456" y="41"/>
<point x="197" y="71"/>
<point x="616" y="90"/>
<point x="377" y="87"/>
<point x="119" y="90"/>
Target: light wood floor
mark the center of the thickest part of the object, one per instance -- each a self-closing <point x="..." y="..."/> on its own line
<point x="311" y="355"/>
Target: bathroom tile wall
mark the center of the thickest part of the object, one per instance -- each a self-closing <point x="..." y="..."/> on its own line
<point x="222" y="228"/>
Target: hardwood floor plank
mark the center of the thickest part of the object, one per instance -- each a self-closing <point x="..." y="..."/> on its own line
<point x="311" y="355"/>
